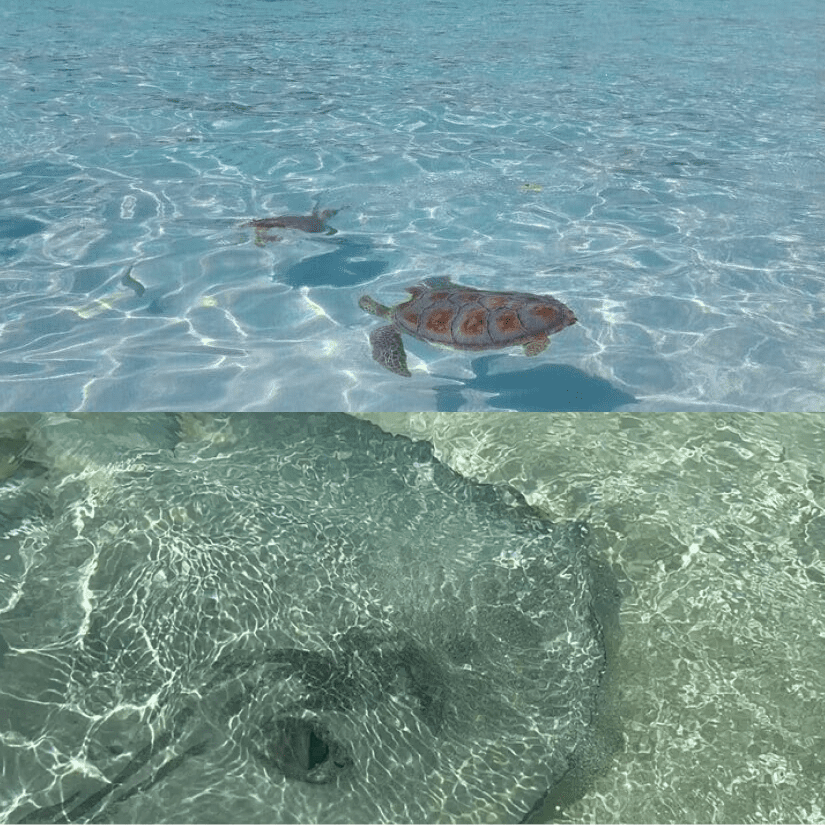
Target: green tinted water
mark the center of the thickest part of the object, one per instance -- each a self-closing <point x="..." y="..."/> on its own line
<point x="717" y="523"/>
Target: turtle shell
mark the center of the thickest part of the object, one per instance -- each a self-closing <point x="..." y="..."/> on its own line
<point x="477" y="319"/>
<point x="307" y="223"/>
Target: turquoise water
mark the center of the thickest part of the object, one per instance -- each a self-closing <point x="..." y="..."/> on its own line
<point x="657" y="167"/>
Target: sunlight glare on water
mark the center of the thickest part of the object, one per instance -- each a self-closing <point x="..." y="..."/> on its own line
<point x="641" y="162"/>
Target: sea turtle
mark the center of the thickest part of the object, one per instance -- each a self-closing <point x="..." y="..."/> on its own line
<point x="316" y="222"/>
<point x="463" y="317"/>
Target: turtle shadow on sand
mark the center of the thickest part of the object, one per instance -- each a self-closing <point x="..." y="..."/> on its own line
<point x="543" y="388"/>
<point x="348" y="262"/>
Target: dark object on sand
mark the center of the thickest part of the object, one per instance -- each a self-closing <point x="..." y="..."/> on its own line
<point x="299" y="618"/>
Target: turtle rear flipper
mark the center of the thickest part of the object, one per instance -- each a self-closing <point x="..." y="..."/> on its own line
<point x="388" y="350"/>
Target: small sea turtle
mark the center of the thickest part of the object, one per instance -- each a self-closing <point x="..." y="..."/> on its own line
<point x="316" y="222"/>
<point x="462" y="317"/>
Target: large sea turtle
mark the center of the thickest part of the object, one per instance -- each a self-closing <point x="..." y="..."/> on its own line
<point x="316" y="222"/>
<point x="463" y="317"/>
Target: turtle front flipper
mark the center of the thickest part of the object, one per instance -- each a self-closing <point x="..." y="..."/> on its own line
<point x="262" y="237"/>
<point x="536" y="345"/>
<point x="388" y="350"/>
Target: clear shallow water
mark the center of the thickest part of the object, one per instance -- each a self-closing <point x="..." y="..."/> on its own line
<point x="715" y="525"/>
<point x="673" y="153"/>
<point x="285" y="618"/>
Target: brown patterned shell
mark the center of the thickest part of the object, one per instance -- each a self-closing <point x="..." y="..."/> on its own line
<point x="477" y="319"/>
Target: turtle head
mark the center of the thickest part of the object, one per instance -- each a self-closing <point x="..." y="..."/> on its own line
<point x="373" y="307"/>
